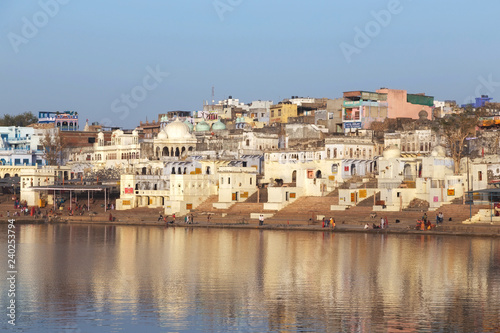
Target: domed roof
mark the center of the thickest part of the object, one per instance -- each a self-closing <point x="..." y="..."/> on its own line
<point x="392" y="152"/>
<point x="162" y="135"/>
<point x="218" y="126"/>
<point x="422" y="115"/>
<point x="202" y="126"/>
<point x="135" y="133"/>
<point x="100" y="135"/>
<point x="438" y="151"/>
<point x="189" y="124"/>
<point x="177" y="130"/>
<point x="118" y="132"/>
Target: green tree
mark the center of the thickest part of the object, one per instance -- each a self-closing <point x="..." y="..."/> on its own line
<point x="23" y="119"/>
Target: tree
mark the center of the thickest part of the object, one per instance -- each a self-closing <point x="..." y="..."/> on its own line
<point x="23" y="119"/>
<point x="454" y="129"/>
<point x="53" y="147"/>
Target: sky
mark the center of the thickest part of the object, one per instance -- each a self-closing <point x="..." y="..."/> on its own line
<point x="122" y="62"/>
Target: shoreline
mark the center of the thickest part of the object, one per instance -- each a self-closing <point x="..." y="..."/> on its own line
<point x="483" y="230"/>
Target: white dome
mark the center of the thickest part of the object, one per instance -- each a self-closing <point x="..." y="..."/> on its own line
<point x="162" y="135"/>
<point x="177" y="130"/>
<point x="438" y="151"/>
<point x="100" y="135"/>
<point x="135" y="133"/>
<point x="392" y="152"/>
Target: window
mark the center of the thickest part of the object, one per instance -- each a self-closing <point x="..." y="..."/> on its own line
<point x="480" y="175"/>
<point x="335" y="168"/>
<point x="229" y="180"/>
<point x="250" y="180"/>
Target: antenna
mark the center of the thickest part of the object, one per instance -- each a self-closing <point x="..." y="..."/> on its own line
<point x="213" y="94"/>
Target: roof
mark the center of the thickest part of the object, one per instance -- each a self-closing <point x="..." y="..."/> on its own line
<point x="70" y="187"/>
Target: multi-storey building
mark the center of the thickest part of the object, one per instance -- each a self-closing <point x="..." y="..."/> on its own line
<point x="64" y="121"/>
<point x="282" y="111"/>
<point x="21" y="146"/>
<point x="361" y="108"/>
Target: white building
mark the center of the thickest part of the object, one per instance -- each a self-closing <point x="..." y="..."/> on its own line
<point x="21" y="145"/>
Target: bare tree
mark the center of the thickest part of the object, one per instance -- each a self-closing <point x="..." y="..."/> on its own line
<point x="454" y="129"/>
<point x="53" y="146"/>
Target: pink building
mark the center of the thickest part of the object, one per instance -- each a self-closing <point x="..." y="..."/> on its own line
<point x="403" y="105"/>
<point x="361" y="108"/>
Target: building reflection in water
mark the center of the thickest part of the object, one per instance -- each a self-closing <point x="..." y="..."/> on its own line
<point x="264" y="280"/>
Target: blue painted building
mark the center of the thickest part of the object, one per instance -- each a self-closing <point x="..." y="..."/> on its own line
<point x="480" y="102"/>
<point x="65" y="121"/>
<point x="21" y="146"/>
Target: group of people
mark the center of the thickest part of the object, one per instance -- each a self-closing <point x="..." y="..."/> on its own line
<point x="189" y="219"/>
<point x="425" y="222"/>
<point x="439" y="218"/>
<point x="384" y="224"/>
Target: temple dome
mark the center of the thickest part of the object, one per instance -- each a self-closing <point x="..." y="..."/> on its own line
<point x="189" y="124"/>
<point x="202" y="126"/>
<point x="177" y="130"/>
<point x="162" y="135"/>
<point x="218" y="126"/>
<point x="392" y="152"/>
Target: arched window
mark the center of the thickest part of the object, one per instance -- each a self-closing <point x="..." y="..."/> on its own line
<point x="335" y="168"/>
<point x="335" y="153"/>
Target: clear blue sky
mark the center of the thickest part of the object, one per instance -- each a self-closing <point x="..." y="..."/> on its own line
<point x="86" y="55"/>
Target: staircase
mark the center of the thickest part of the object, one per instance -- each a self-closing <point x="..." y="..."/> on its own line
<point x="262" y="193"/>
<point x="206" y="206"/>
<point x="305" y="208"/>
<point x="458" y="212"/>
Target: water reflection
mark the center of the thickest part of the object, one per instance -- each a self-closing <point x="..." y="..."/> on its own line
<point x="122" y="278"/>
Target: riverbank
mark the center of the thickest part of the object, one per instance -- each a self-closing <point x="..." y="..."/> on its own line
<point x="455" y="229"/>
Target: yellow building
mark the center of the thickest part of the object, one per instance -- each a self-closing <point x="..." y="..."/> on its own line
<point x="281" y="112"/>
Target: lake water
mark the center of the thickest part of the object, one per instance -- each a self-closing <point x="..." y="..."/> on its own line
<point x="155" y="279"/>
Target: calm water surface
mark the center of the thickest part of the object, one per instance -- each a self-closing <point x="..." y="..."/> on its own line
<point x="152" y="279"/>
